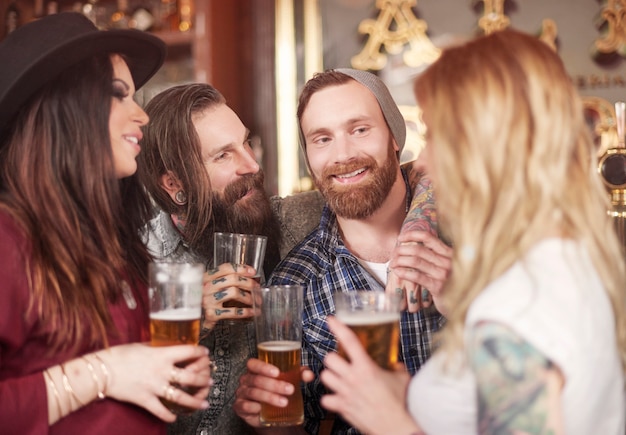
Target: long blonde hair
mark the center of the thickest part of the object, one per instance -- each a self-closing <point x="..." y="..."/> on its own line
<point x="513" y="156"/>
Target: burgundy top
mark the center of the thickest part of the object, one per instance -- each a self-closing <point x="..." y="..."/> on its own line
<point x="23" y="357"/>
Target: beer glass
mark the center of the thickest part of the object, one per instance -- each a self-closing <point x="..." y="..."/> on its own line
<point x="239" y="249"/>
<point x="175" y="292"/>
<point x="374" y="317"/>
<point x="278" y="323"/>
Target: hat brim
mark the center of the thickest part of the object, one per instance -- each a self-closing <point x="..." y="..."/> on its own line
<point x="143" y="52"/>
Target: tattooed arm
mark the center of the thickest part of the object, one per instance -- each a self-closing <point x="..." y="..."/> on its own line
<point x="518" y="387"/>
<point x="420" y="260"/>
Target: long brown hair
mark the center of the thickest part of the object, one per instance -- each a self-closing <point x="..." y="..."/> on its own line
<point x="514" y="157"/>
<point x="59" y="184"/>
<point x="171" y="143"/>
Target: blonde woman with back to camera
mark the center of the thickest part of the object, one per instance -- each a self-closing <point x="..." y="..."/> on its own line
<point x="536" y="336"/>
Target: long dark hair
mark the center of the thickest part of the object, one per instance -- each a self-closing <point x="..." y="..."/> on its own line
<point x="59" y="184"/>
<point x="171" y="143"/>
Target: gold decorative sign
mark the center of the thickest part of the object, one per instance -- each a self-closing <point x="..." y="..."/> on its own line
<point x="548" y="33"/>
<point x="408" y="30"/>
<point x="493" y="18"/>
<point x="615" y="39"/>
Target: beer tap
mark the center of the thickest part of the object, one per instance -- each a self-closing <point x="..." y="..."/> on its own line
<point x="612" y="168"/>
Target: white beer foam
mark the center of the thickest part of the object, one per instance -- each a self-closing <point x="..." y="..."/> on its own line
<point x="279" y="346"/>
<point x="177" y="314"/>
<point x="367" y="318"/>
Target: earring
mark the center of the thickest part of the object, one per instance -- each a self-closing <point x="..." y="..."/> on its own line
<point x="180" y="198"/>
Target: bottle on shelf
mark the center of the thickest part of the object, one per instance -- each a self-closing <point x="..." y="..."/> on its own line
<point x="142" y="17"/>
<point x="38" y="9"/>
<point x="168" y="15"/>
<point x="52" y="7"/>
<point x="11" y="18"/>
<point x="120" y="18"/>
<point x="185" y="15"/>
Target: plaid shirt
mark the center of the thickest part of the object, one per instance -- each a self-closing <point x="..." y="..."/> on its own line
<point x="323" y="264"/>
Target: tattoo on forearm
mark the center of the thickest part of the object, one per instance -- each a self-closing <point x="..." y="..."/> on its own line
<point x="512" y="382"/>
<point x="422" y="214"/>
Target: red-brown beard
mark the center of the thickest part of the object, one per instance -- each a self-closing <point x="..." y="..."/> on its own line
<point x="361" y="200"/>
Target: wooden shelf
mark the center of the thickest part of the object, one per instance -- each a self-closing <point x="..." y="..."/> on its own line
<point x="175" y="38"/>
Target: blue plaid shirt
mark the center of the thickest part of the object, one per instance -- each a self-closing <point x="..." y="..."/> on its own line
<point x="323" y="264"/>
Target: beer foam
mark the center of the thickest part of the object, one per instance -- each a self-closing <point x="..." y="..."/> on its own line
<point x="279" y="346"/>
<point x="367" y="318"/>
<point x="176" y="314"/>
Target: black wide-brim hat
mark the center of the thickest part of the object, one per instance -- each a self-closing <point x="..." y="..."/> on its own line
<point x="40" y="51"/>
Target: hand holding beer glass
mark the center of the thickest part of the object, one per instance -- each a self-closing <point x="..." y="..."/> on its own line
<point x="175" y="291"/>
<point x="278" y="323"/>
<point x="239" y="249"/>
<point x="375" y="319"/>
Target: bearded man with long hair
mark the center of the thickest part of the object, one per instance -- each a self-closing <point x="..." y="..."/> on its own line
<point x="201" y="172"/>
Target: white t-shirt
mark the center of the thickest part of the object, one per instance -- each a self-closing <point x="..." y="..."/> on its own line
<point x="555" y="301"/>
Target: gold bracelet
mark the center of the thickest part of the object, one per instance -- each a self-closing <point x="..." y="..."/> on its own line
<point x="101" y="394"/>
<point x="52" y="385"/>
<point x="104" y="369"/>
<point x="68" y="388"/>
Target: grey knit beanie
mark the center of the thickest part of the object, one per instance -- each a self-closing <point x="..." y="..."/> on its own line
<point x="388" y="106"/>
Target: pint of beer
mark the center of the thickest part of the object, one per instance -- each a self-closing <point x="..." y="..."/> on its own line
<point x="285" y="355"/>
<point x="375" y="319"/>
<point x="278" y="323"/>
<point x="175" y="291"/>
<point x="174" y="326"/>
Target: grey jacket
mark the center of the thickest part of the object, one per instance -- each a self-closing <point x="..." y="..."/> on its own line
<point x="230" y="345"/>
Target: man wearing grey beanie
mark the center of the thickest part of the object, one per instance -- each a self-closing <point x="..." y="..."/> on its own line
<point x="351" y="134"/>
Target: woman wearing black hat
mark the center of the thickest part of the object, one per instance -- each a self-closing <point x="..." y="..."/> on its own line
<point x="73" y="299"/>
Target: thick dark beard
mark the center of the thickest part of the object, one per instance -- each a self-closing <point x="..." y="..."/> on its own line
<point x="232" y="213"/>
<point x="359" y="202"/>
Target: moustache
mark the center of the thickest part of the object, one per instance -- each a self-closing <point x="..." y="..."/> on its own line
<point x="345" y="168"/>
<point x="239" y="188"/>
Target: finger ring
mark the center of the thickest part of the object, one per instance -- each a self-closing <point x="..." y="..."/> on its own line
<point x="168" y="392"/>
<point x="175" y="376"/>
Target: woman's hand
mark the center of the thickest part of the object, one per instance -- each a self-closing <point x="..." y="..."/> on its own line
<point x="370" y="398"/>
<point x="226" y="293"/>
<point x="142" y="375"/>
